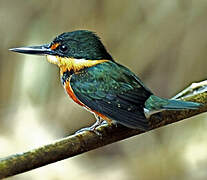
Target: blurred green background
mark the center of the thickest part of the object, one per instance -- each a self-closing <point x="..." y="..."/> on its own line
<point x="163" y="41"/>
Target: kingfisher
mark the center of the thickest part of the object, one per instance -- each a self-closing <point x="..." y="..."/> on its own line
<point x="95" y="81"/>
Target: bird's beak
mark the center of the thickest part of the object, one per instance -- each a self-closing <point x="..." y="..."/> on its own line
<point x="35" y="50"/>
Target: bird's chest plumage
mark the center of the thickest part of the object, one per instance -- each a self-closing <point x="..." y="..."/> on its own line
<point x="65" y="76"/>
<point x="69" y="67"/>
<point x="72" y="67"/>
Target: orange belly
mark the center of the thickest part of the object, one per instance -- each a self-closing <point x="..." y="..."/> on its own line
<point x="70" y="92"/>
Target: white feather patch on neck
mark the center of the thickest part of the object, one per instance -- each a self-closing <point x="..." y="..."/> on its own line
<point x="53" y="59"/>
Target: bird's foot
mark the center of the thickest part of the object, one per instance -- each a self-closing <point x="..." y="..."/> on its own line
<point x="104" y="123"/>
<point x="93" y="128"/>
<point x="90" y="129"/>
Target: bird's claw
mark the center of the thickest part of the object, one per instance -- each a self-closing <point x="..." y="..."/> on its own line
<point x="90" y="129"/>
<point x="93" y="128"/>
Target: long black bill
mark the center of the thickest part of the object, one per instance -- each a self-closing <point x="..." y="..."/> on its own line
<point x="35" y="50"/>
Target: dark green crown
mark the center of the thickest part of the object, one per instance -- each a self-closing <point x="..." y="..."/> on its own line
<point x="81" y="44"/>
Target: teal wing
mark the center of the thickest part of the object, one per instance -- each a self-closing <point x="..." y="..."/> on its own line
<point x="114" y="91"/>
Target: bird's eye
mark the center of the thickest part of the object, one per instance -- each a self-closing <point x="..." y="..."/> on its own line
<point x="63" y="48"/>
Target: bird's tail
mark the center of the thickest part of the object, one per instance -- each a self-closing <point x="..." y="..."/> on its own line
<point x="155" y="103"/>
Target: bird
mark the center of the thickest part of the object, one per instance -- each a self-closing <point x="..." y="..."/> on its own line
<point x="94" y="80"/>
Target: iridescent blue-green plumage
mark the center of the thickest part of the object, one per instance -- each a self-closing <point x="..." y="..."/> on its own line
<point x="155" y="103"/>
<point x="112" y="90"/>
<point x="107" y="88"/>
<point x="81" y="44"/>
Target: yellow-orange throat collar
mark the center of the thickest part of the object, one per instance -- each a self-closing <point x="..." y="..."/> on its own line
<point x="73" y="64"/>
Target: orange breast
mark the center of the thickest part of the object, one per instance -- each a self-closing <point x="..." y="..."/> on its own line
<point x="70" y="92"/>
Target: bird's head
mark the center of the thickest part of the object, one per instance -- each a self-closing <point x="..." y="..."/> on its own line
<point x="79" y="45"/>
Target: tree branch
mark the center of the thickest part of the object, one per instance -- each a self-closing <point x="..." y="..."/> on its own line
<point x="86" y="141"/>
